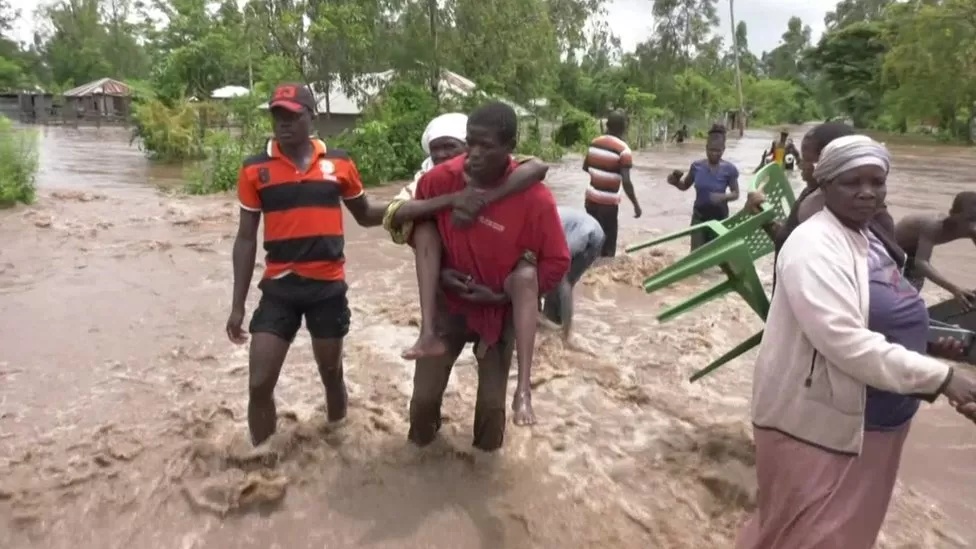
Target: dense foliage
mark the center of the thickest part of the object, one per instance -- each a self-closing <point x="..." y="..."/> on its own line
<point x="898" y="66"/>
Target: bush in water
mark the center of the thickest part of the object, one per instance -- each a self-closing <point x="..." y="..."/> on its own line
<point x="386" y="143"/>
<point x="218" y="172"/>
<point x="531" y="143"/>
<point x="577" y="128"/>
<point x="224" y="151"/>
<point x="18" y="164"/>
<point x="375" y="156"/>
<point x="168" y="133"/>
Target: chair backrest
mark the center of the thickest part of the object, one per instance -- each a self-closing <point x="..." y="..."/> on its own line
<point x="773" y="183"/>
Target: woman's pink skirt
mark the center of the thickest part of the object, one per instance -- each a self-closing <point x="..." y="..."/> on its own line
<point x="811" y="498"/>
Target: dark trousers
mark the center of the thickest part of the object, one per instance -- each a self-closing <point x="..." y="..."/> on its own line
<point x="606" y="216"/>
<point x="432" y="374"/>
<point x="577" y="266"/>
<point x="701" y="214"/>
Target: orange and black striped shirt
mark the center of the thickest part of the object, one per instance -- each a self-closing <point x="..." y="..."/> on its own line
<point x="303" y="231"/>
<point x="605" y="159"/>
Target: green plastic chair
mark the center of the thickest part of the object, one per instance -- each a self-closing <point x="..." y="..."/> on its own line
<point x="773" y="182"/>
<point x="731" y="355"/>
<point x="739" y="241"/>
<point x="732" y="251"/>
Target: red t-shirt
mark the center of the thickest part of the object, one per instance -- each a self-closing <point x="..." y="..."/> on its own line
<point x="489" y="248"/>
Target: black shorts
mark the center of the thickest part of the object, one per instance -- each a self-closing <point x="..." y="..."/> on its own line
<point x="606" y="215"/>
<point x="284" y="301"/>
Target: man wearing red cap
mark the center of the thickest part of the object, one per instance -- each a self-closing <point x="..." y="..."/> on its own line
<point x="297" y="183"/>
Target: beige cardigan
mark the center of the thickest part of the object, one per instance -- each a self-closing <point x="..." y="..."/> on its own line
<point x="817" y="355"/>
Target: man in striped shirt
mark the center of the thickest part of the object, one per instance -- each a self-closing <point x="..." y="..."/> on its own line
<point x="608" y="161"/>
<point x="298" y="185"/>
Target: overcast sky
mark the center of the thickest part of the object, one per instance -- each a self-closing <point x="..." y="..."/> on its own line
<point x="766" y="19"/>
<point x="631" y="19"/>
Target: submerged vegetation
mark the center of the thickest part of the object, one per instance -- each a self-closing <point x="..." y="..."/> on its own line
<point x="18" y="164"/>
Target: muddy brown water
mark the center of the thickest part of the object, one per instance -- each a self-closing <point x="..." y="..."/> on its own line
<point x="122" y="403"/>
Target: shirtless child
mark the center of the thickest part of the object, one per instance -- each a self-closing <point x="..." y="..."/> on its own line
<point x="919" y="234"/>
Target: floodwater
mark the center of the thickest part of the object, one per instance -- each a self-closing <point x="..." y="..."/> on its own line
<point x="122" y="402"/>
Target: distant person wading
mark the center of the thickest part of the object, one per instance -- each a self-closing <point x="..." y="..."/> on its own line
<point x="716" y="184"/>
<point x="608" y="161"/>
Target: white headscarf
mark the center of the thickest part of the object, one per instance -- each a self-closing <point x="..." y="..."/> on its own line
<point x="849" y="152"/>
<point x="452" y="124"/>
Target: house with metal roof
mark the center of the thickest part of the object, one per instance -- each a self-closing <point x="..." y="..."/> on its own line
<point x="340" y="108"/>
<point x="104" y="98"/>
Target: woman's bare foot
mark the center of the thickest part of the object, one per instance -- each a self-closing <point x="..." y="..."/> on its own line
<point x="522" y="406"/>
<point x="427" y="345"/>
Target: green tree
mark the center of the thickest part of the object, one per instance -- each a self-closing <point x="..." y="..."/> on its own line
<point x="851" y="60"/>
<point x="930" y="66"/>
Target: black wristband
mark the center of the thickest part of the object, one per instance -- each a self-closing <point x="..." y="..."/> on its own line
<point x="945" y="383"/>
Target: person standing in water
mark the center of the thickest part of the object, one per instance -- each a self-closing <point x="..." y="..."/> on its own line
<point x="444" y="139"/>
<point x="482" y="303"/>
<point x="919" y="234"/>
<point x="297" y="184"/>
<point x="792" y="156"/>
<point x="608" y="162"/>
<point x="841" y="368"/>
<point x="779" y="151"/>
<point x="716" y="184"/>
<point x="811" y="200"/>
<point x="584" y="237"/>
<point x="680" y="135"/>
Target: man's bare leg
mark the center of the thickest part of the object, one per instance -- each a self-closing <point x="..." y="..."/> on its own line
<point x="328" y="358"/>
<point x="267" y="355"/>
<point x="427" y="243"/>
<point x="522" y="288"/>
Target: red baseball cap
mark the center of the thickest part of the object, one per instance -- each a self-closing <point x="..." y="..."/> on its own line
<point x="293" y="97"/>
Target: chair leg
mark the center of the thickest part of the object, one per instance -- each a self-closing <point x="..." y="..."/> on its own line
<point x="735" y="353"/>
<point x="754" y="293"/>
<point x="668" y="237"/>
<point x="711" y="255"/>
<point x="697" y="300"/>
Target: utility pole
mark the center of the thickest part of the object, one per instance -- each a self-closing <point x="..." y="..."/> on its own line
<point x="741" y="119"/>
<point x="435" y="69"/>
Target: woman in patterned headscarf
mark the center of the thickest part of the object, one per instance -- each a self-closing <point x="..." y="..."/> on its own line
<point x="841" y="368"/>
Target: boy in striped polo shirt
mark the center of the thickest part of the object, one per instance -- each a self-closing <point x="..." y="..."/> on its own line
<point x="608" y="161"/>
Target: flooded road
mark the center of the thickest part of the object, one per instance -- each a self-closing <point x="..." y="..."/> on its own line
<point x="122" y="402"/>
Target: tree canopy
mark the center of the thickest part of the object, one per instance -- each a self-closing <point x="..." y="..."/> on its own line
<point x="885" y="64"/>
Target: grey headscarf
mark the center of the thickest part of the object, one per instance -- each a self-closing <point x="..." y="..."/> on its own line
<point x="846" y="153"/>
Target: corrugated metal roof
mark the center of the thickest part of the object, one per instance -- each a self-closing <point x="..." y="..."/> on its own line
<point x="102" y="86"/>
<point x="230" y="92"/>
<point x="368" y="85"/>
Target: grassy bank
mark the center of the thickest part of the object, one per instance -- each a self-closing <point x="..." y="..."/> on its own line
<point x="18" y="164"/>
